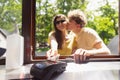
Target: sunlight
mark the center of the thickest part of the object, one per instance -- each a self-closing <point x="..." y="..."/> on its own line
<point x="93" y="5"/>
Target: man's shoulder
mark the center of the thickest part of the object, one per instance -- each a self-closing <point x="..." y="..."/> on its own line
<point x="88" y="30"/>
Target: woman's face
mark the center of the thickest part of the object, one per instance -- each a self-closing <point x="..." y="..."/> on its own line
<point x="61" y="24"/>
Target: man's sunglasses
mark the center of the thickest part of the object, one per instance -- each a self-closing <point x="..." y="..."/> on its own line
<point x="61" y="21"/>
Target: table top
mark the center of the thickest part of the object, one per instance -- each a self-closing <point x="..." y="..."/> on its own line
<point x="87" y="71"/>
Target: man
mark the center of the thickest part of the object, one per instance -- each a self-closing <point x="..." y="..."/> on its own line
<point x="88" y="41"/>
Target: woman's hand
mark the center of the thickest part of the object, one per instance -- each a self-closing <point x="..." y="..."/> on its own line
<point x="52" y="55"/>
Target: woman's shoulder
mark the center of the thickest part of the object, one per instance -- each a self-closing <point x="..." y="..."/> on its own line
<point x="51" y="33"/>
<point x="71" y="33"/>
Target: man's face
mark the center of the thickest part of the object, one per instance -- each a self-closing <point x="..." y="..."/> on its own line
<point x="72" y="25"/>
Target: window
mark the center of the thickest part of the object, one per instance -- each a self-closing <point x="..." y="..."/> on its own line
<point x="29" y="33"/>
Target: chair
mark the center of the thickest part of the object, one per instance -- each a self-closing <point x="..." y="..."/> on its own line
<point x="114" y="45"/>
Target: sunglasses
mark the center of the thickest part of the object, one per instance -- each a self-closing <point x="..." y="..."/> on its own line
<point x="61" y="21"/>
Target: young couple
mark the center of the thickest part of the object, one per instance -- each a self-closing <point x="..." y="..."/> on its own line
<point x="70" y="37"/>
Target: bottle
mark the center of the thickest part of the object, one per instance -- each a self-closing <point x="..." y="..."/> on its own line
<point x="14" y="53"/>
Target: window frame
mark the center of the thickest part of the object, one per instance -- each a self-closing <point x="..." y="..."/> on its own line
<point x="28" y="32"/>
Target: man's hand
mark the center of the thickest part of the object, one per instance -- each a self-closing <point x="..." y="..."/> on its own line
<point x="80" y="55"/>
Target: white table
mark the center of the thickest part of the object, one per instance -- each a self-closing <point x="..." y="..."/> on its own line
<point x="88" y="71"/>
<point x="91" y="71"/>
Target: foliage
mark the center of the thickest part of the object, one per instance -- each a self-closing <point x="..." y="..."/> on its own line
<point x="10" y="14"/>
<point x="105" y="23"/>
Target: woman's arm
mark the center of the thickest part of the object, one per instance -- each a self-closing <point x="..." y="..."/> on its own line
<point x="53" y="43"/>
<point x="52" y="54"/>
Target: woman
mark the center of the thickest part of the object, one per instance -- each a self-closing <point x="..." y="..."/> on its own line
<point x="60" y="41"/>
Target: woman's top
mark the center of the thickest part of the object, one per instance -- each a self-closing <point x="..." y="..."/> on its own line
<point x="68" y="45"/>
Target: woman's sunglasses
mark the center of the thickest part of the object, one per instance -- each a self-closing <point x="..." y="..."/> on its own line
<point x="61" y="21"/>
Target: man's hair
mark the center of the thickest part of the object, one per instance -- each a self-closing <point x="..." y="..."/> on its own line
<point x="78" y="16"/>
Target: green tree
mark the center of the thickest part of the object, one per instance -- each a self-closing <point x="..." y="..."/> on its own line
<point x="10" y="16"/>
<point x="106" y="22"/>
